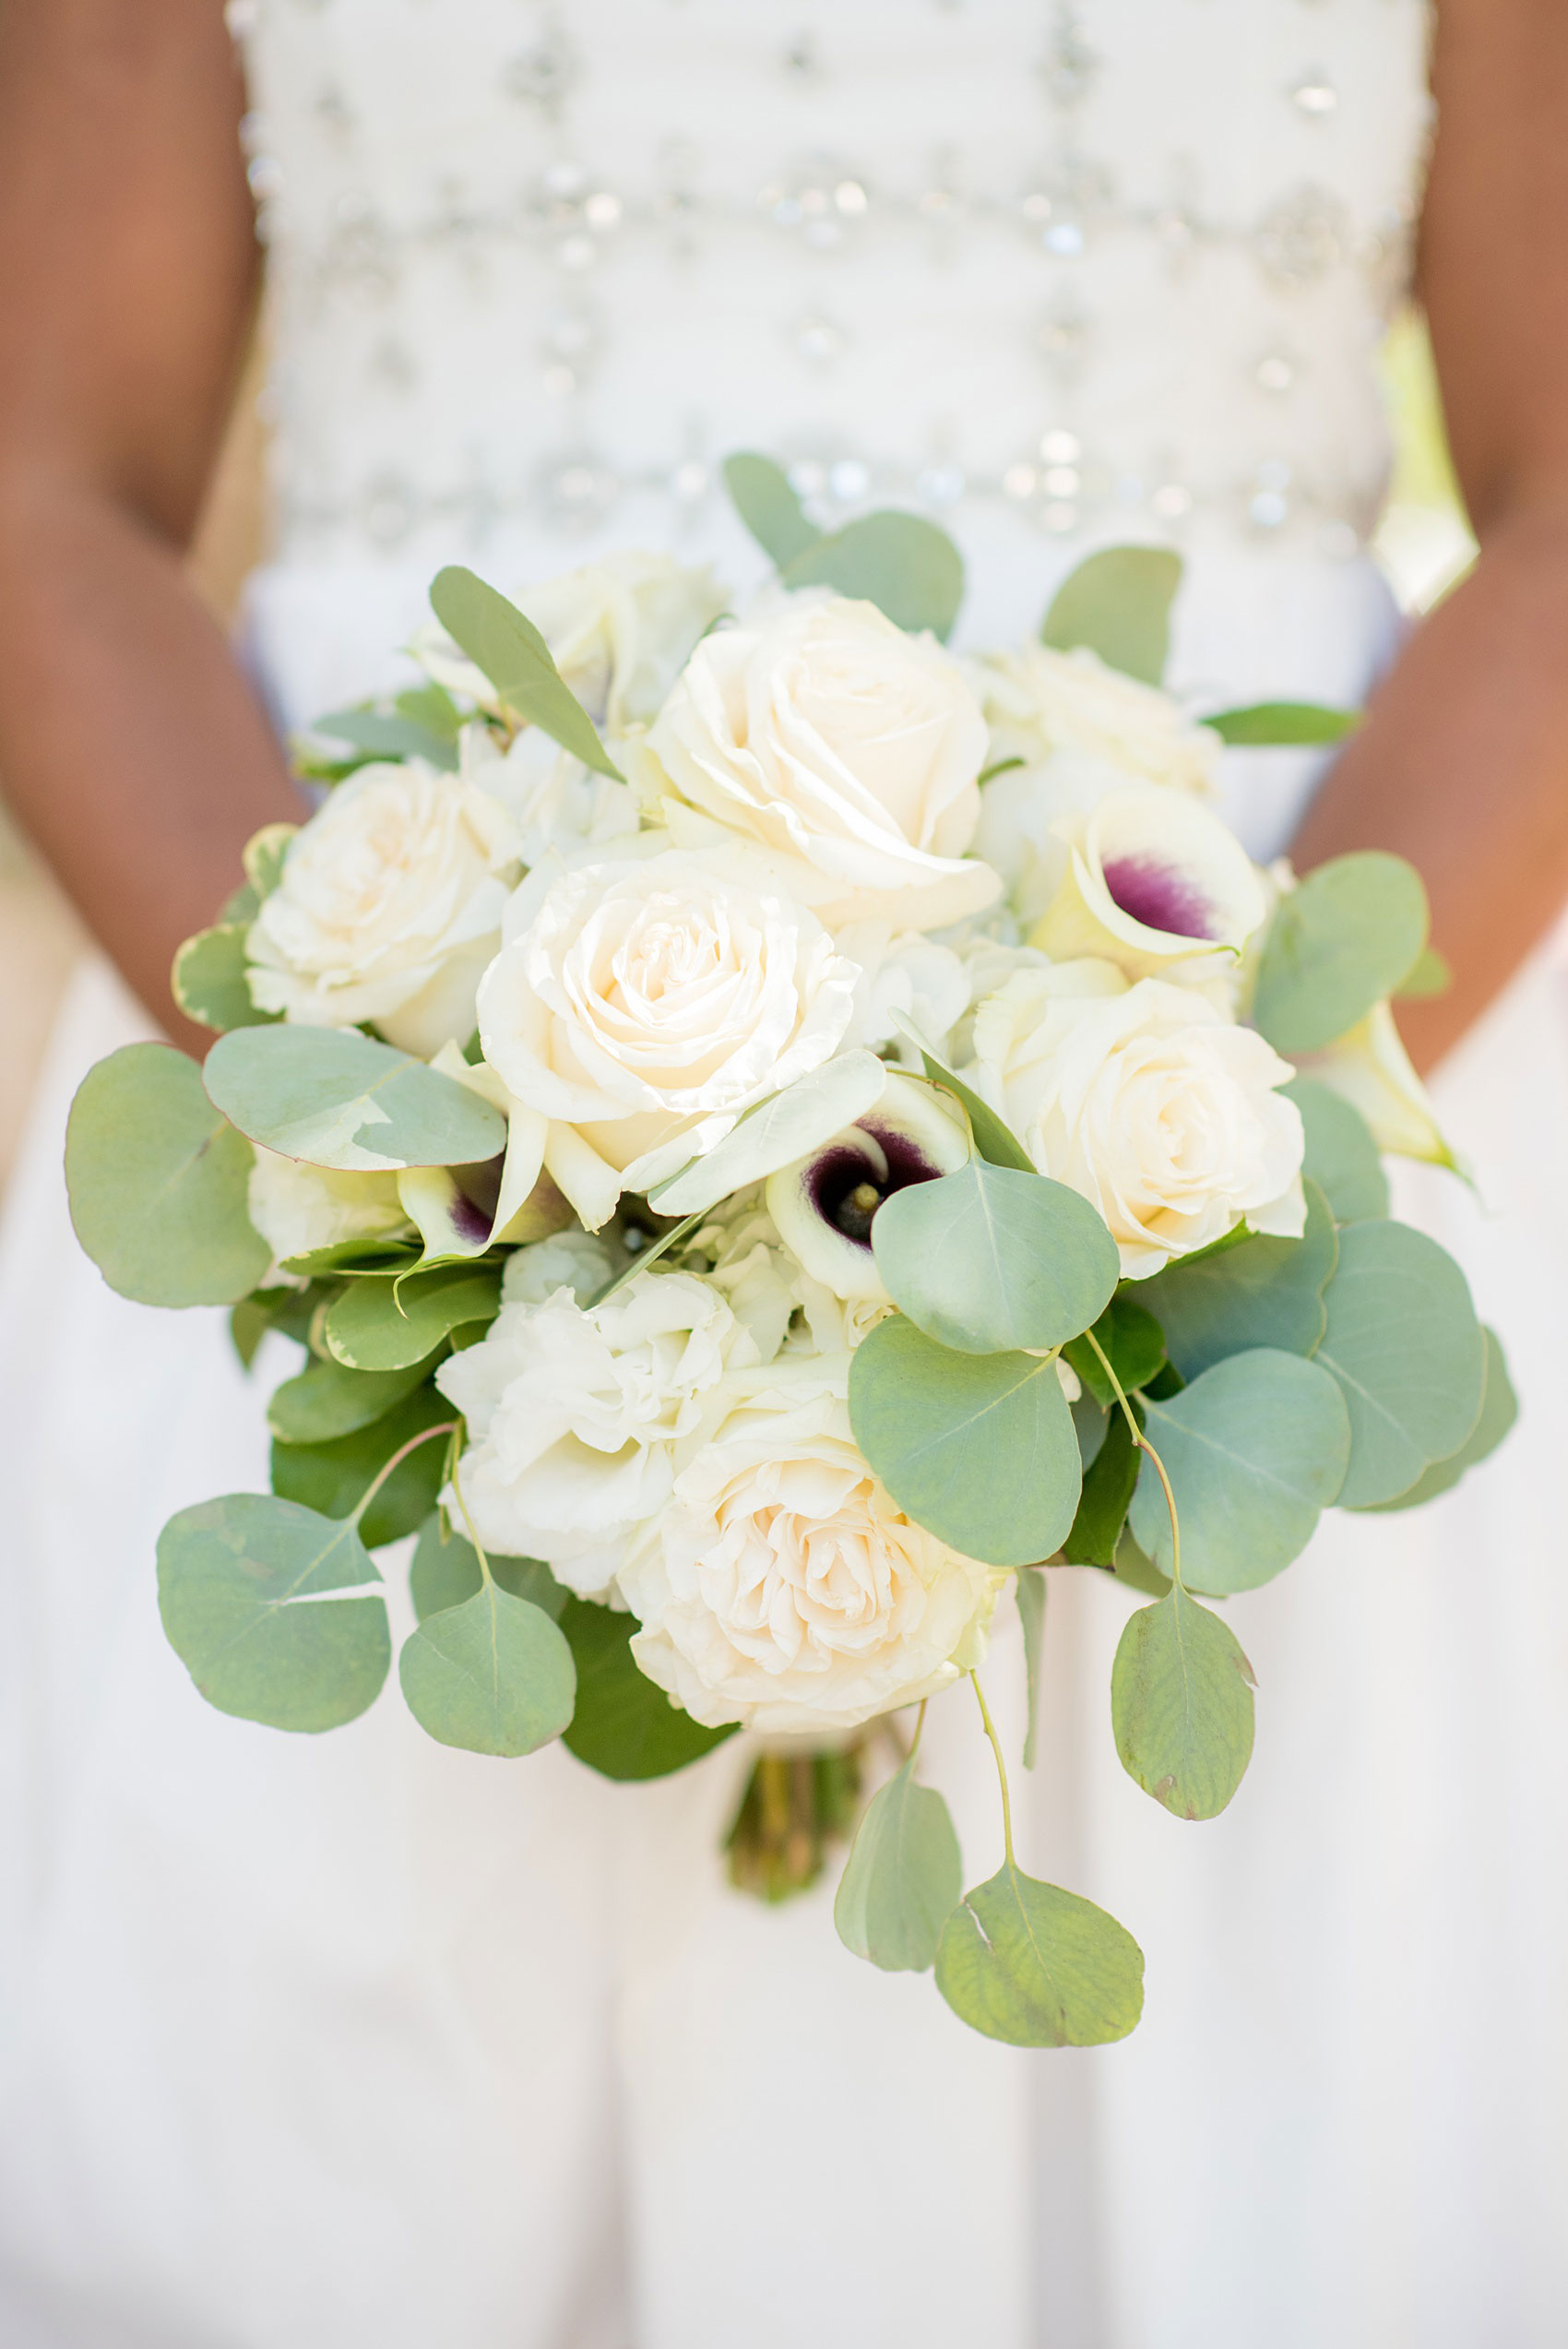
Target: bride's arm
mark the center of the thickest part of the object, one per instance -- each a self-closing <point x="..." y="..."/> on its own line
<point x="130" y="743"/>
<point x="1463" y="765"/>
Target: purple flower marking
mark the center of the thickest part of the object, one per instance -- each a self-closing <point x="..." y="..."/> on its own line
<point x="1159" y="897"/>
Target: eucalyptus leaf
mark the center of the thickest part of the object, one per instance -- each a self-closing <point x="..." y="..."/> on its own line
<point x="494" y="1675"/>
<point x="333" y="1478"/>
<point x="1342" y="1157"/>
<point x="446" y="1574"/>
<point x="1254" y="1449"/>
<point x="1500" y="1409"/>
<point x="988" y="1259"/>
<point x="249" y="1589"/>
<point x="1109" y="1482"/>
<point x="1030" y="1590"/>
<point x="1026" y="1962"/>
<point x="325" y="1401"/>
<point x="379" y="1324"/>
<point x="1129" y="1565"/>
<point x="979" y="1448"/>
<point x="510" y="650"/>
<point x="1268" y="1291"/>
<point x="209" y="979"/>
<point x="1429" y="975"/>
<point x="1117" y="603"/>
<point x="1182" y="1706"/>
<point x="432" y="706"/>
<point x="760" y="493"/>
<point x="1336" y="947"/>
<point x="248" y="1324"/>
<point x="901" y="562"/>
<point x="780" y="1129"/>
<point x="624" y="1726"/>
<point x="902" y="1879"/>
<point x="1263" y="726"/>
<point x="1129" y="1335"/>
<point x="1409" y="1356"/>
<point x="157" y="1182"/>
<point x="334" y="1098"/>
<point x="991" y="1138"/>
<point x="388" y="737"/>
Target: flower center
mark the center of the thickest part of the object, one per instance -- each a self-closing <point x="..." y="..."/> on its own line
<point x="1159" y="897"/>
<point x="847" y="1188"/>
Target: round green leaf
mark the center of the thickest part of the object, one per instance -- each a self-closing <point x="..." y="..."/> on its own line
<point x="1182" y="1706"/>
<point x="446" y="1573"/>
<point x="1404" y="1343"/>
<point x="493" y="1676"/>
<point x="1036" y="1966"/>
<point x="760" y="493"/>
<point x="325" y="1401"/>
<point x="784" y="1127"/>
<point x="1118" y="603"/>
<point x="1336" y="946"/>
<point x="208" y="979"/>
<point x="1129" y="1335"/>
<point x="1342" y="1158"/>
<point x="903" y="564"/>
<point x="1265" y="1292"/>
<point x="333" y="1477"/>
<point x="386" y="1323"/>
<point x="334" y="1098"/>
<point x="505" y="644"/>
<point x="1254" y="1449"/>
<point x="1271" y="724"/>
<point x="157" y="1182"/>
<point x="624" y="1726"/>
<point x="1109" y="1482"/>
<point x="902" y="1879"/>
<point x="247" y="1590"/>
<point x="988" y="1259"/>
<point x="979" y="1448"/>
<point x="1500" y="1409"/>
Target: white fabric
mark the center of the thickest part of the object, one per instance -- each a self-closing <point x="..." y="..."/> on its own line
<point x="311" y="2043"/>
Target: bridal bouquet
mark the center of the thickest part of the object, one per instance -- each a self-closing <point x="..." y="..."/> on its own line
<point x="769" y="1137"/>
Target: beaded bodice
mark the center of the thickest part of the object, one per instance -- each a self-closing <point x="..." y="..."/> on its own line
<point x="1116" y="268"/>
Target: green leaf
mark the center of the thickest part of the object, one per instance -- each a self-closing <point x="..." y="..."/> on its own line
<point x="1031" y="1618"/>
<point x="1254" y="1449"/>
<point x="1429" y="975"/>
<point x="247" y="1589"/>
<point x="248" y="1324"/>
<point x="979" y="1449"/>
<point x="777" y="1131"/>
<point x="209" y="979"/>
<point x="902" y="1879"/>
<point x="516" y="659"/>
<point x="381" y="1324"/>
<point x="326" y="1400"/>
<point x="334" y="1098"/>
<point x="1036" y="1966"/>
<point x="432" y="706"/>
<point x="1109" y="1482"/>
<point x="1342" y="1158"/>
<point x="1133" y="1339"/>
<point x="1409" y="1356"/>
<point x="1182" y="1706"/>
<point x="901" y="562"/>
<point x="1132" y="1568"/>
<point x="1500" y="1409"/>
<point x="1264" y="725"/>
<point x="388" y="737"/>
<point x="988" y="1259"/>
<point x="1266" y="1292"/>
<point x="1117" y="603"/>
<point x="333" y="1478"/>
<point x="445" y="1574"/>
<point x="624" y="1726"/>
<point x="493" y="1676"/>
<point x="158" y="1183"/>
<point x="991" y="1138"/>
<point x="1336" y="946"/>
<point x="760" y="493"/>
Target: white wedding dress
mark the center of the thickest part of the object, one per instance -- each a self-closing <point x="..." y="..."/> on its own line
<point x="358" y="2042"/>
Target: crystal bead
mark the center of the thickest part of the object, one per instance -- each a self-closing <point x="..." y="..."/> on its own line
<point x="940" y="484"/>
<point x="565" y="180"/>
<point x="690" y="481"/>
<point x="818" y="340"/>
<point x="1019" y="481"/>
<point x="1313" y="95"/>
<point x="1059" y="447"/>
<point x="577" y="251"/>
<point x="850" y="198"/>
<point x="807" y="478"/>
<point x="543" y="75"/>
<point x="1303" y="236"/>
<point x="603" y="209"/>
<point x="1270" y="509"/>
<point x="266" y="176"/>
<point x="1171" y="500"/>
<point x="1062" y="481"/>
<point x="578" y="491"/>
<point x="1275" y="373"/>
<point x="849" y="479"/>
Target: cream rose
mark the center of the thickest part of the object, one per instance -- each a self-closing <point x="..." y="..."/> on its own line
<point x="388" y="909"/>
<point x="1149" y="1102"/>
<point x="782" y="1588"/>
<point x="639" y="1007"/>
<point x="299" y="1209"/>
<point x="845" y="748"/>
<point x="573" y="1417"/>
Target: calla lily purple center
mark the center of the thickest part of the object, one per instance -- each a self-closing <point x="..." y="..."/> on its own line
<point x="1160" y="897"/>
<point x="846" y="1189"/>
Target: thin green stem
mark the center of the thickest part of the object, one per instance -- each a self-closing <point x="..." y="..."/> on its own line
<point x="915" y="1740"/>
<point x="1001" y="1769"/>
<point x="402" y="1454"/>
<point x="1143" y="1445"/>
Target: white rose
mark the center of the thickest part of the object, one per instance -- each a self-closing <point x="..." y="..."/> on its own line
<point x="299" y="1209"/>
<point x="1152" y="881"/>
<point x="844" y="747"/>
<point x="388" y="909"/>
<point x="639" y="1007"/>
<point x="573" y="1416"/>
<point x="1149" y="1102"/>
<point x="781" y="1587"/>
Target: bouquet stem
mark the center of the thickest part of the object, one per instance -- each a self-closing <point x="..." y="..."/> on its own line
<point x="795" y="1807"/>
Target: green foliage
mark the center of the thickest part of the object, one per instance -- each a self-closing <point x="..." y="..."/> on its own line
<point x="158" y="1183"/>
<point x="510" y="650"/>
<point x="381" y="1323"/>
<point x="777" y="1131"/>
<point x="1026" y="1962"/>
<point x="209" y="979"/>
<point x="248" y="1324"/>
<point x="1182" y="1706"/>
<point x="1118" y="603"/>
<point x="624" y="1726"/>
<point x="1133" y="1568"/>
<point x="382" y="737"/>
<point x="1134" y="1342"/>
<point x="1254" y="1449"/>
<point x="1031" y="1618"/>
<point x="979" y="1449"/>
<point x="1429" y="975"/>
<point x="1336" y="947"/>
<point x="446" y="1573"/>
<point x="903" y="1878"/>
<point x="334" y="1098"/>
<point x="333" y="1478"/>
<point x="491" y="1675"/>
<point x="901" y="562"/>
<point x="1266" y="1293"/>
<point x="1409" y="1356"/>
<point x="1342" y="1157"/>
<point x="238" y="1582"/>
<point x="991" y="1138"/>
<point x="1109" y="1482"/>
<point x="325" y="1399"/>
<point x="988" y="1258"/>
<point x="1264" y="725"/>
<point x="1500" y="1409"/>
<point x="760" y="493"/>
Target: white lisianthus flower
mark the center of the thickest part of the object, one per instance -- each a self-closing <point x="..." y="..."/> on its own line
<point x="299" y="1209"/>
<point x="388" y="909"/>
<point x="563" y="811"/>
<point x="573" y="1260"/>
<point x="574" y="1417"/>
<point x="781" y="1587"/>
<point x="1148" y="1101"/>
<point x="1154" y="882"/>
<point x="639" y="1007"/>
<point x="910" y="977"/>
<point x="844" y="748"/>
<point x="1370" y="1068"/>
